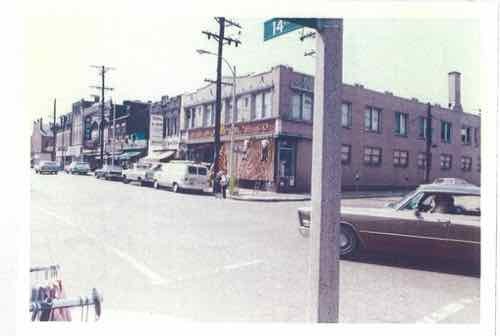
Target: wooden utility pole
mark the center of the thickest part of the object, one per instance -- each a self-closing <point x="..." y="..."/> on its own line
<point x="103" y="70"/>
<point x="221" y="39"/>
<point x="54" y="133"/>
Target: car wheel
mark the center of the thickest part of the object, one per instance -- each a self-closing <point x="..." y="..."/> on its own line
<point x="156" y="185"/>
<point x="348" y="241"/>
<point x="175" y="188"/>
<point x="125" y="180"/>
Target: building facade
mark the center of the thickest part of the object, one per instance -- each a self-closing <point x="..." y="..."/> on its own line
<point x="42" y="142"/>
<point x="383" y="136"/>
<point x="164" y="141"/>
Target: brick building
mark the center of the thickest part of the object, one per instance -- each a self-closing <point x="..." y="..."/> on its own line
<point x="383" y="136"/>
<point x="164" y="140"/>
<point x="42" y="141"/>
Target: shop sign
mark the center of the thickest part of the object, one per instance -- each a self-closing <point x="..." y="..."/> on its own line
<point x="250" y="128"/>
<point x="156" y="128"/>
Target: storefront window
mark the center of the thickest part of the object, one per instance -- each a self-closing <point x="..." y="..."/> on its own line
<point x="286" y="167"/>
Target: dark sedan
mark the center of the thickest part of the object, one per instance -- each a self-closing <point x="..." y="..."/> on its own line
<point x="436" y="220"/>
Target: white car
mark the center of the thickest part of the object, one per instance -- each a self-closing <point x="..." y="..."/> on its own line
<point x="139" y="173"/>
<point x="181" y="175"/>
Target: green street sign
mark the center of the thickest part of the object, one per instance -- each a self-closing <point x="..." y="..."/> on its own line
<point x="280" y="26"/>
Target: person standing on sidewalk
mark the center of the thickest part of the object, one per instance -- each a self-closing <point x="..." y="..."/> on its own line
<point x="223" y="184"/>
<point x="217" y="184"/>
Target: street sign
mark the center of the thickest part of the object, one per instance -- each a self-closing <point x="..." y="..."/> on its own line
<point x="277" y="27"/>
<point x="280" y="26"/>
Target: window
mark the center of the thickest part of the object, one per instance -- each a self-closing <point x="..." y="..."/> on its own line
<point x="346" y="115"/>
<point x="478" y="164"/>
<point x="296" y="106"/>
<point x="422" y="160"/>
<point x="302" y="106"/>
<point x="227" y="116"/>
<point x="268" y="104"/>
<point x="466" y="163"/>
<point x="422" y="127"/>
<point x="400" y="158"/>
<point x="345" y="154"/>
<point x="202" y="171"/>
<point x="307" y="106"/>
<point x="401" y="127"/>
<point x="465" y="135"/>
<point x="259" y="105"/>
<point x="372" y="119"/>
<point x="445" y="132"/>
<point x="373" y="156"/>
<point x="168" y="126"/>
<point x="445" y="161"/>
<point x="476" y="136"/>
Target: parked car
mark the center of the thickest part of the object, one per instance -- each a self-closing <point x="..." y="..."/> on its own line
<point x="82" y="168"/>
<point x="181" y="175"/>
<point x="49" y="167"/>
<point x="139" y="173"/>
<point x="435" y="220"/>
<point x="109" y="172"/>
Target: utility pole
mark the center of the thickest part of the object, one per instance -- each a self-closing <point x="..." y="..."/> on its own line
<point x="103" y="69"/>
<point x="54" y="133"/>
<point x="428" y="143"/>
<point x="221" y="39"/>
<point x="113" y="143"/>
<point x="62" y="120"/>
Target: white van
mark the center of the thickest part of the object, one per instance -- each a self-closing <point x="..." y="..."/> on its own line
<point x="181" y="175"/>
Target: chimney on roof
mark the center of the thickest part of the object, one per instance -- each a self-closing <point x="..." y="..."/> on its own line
<point x="454" y="91"/>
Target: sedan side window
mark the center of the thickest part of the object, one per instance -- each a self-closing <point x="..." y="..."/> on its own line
<point x="414" y="202"/>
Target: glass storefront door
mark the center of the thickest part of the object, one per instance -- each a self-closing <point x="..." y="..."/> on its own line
<point x="286" y="165"/>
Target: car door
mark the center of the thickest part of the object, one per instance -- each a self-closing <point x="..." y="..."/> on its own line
<point x="421" y="233"/>
<point x="464" y="237"/>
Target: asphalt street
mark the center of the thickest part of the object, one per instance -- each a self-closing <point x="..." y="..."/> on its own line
<point x="156" y="254"/>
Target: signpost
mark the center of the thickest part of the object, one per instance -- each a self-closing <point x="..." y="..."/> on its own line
<point x="326" y="169"/>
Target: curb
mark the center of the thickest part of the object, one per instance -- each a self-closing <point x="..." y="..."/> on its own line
<point x="302" y="199"/>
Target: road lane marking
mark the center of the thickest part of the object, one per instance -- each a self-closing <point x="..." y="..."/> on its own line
<point x="448" y="310"/>
<point x="243" y="264"/>
<point x="154" y="277"/>
<point x="216" y="271"/>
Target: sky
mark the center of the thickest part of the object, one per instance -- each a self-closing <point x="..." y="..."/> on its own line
<point x="155" y="55"/>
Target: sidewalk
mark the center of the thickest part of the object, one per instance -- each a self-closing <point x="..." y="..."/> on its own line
<point x="269" y="196"/>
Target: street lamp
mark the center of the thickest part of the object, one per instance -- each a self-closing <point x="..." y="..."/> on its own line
<point x="233" y="110"/>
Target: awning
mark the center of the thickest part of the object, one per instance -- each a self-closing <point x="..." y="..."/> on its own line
<point x="160" y="155"/>
<point x="128" y="155"/>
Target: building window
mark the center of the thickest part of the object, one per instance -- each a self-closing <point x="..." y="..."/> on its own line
<point x="296" y="106"/>
<point x="259" y="105"/>
<point x="307" y="106"/>
<point x="345" y="154"/>
<point x="478" y="164"/>
<point x="445" y="161"/>
<point x="422" y="128"/>
<point x="372" y="119"/>
<point x="302" y="107"/>
<point x="422" y="160"/>
<point x="466" y="163"/>
<point x="167" y="126"/>
<point x="400" y="158"/>
<point x="346" y="115"/>
<point x="268" y="104"/>
<point x="373" y="156"/>
<point x="476" y="136"/>
<point x="465" y="135"/>
<point x="401" y="127"/>
<point x="445" y="132"/>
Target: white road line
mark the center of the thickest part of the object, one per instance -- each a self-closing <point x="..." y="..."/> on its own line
<point x="448" y="310"/>
<point x="154" y="277"/>
<point x="243" y="264"/>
